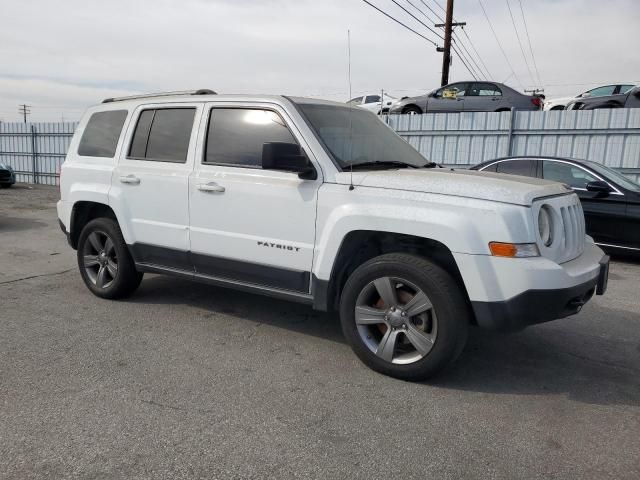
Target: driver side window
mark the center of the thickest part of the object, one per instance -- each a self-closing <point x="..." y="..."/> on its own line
<point x="455" y="90"/>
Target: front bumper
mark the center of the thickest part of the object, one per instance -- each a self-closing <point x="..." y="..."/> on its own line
<point x="510" y="294"/>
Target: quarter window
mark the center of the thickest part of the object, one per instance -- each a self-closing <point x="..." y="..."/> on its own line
<point x="355" y="101"/>
<point x="236" y="136"/>
<point x="102" y="133"/>
<point x="573" y="176"/>
<point x="372" y="99"/>
<point x="163" y="135"/>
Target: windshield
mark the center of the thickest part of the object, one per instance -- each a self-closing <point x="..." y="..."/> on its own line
<point x="617" y="177"/>
<point x="353" y="136"/>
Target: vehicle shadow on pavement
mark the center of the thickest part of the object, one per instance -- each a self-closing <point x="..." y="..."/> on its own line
<point x="546" y="360"/>
<point x="557" y="359"/>
<point x="253" y="307"/>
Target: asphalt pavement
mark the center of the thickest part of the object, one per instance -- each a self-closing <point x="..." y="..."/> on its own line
<point x="185" y="380"/>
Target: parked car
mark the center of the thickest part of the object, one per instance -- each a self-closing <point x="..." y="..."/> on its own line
<point x="468" y="97"/>
<point x="606" y="90"/>
<point x="611" y="201"/>
<point x="7" y="176"/>
<point x="319" y="203"/>
<point x="628" y="99"/>
<point x="373" y="103"/>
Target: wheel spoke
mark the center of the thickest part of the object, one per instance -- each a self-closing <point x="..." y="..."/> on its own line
<point x="418" y="304"/>
<point x="369" y="315"/>
<point x="112" y="268"/>
<point x="108" y="246"/>
<point x="387" y="345"/>
<point x="91" y="260"/>
<point x="387" y="291"/>
<point x="101" y="277"/>
<point x="419" y="339"/>
<point x="95" y="242"/>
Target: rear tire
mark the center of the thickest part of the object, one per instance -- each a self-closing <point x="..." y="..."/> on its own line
<point x="417" y="337"/>
<point x="105" y="263"/>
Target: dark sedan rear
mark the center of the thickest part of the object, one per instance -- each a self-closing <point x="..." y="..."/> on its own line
<point x="7" y="176"/>
<point x="611" y="201"/>
<point x="621" y="99"/>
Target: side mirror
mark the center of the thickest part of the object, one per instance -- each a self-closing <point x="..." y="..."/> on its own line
<point x="598" y="186"/>
<point x="637" y="92"/>
<point x="287" y="157"/>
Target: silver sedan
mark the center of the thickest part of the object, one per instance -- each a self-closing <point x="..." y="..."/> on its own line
<point x="468" y="97"/>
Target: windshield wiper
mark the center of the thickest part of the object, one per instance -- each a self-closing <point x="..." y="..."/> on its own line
<point x="381" y="164"/>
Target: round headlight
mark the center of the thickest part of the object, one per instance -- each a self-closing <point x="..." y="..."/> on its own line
<point x="545" y="226"/>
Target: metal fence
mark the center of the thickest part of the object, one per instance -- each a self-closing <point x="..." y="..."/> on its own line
<point x="35" y="150"/>
<point x="610" y="136"/>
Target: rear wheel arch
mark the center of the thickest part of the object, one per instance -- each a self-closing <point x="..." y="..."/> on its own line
<point x="359" y="246"/>
<point x="412" y="108"/>
<point x="82" y="213"/>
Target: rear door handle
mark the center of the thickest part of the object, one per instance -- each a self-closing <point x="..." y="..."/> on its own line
<point x="130" y="179"/>
<point x="212" y="187"/>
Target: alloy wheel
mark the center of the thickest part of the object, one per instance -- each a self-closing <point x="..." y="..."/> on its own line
<point x="100" y="259"/>
<point x="396" y="320"/>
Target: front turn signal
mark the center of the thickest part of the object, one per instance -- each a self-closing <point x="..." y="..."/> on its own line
<point x="514" y="250"/>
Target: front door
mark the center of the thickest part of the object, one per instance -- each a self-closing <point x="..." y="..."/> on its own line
<point x="448" y="99"/>
<point x="248" y="224"/>
<point x="151" y="181"/>
<point x="605" y="215"/>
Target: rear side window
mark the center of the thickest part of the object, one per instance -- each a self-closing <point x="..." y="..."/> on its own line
<point x="163" y="135"/>
<point x="372" y="99"/>
<point x="490" y="168"/>
<point x="525" y="168"/>
<point x="101" y="134"/>
<point x="236" y="136"/>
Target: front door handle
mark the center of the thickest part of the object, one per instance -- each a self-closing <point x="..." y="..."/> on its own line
<point x="130" y="179"/>
<point x="211" y="187"/>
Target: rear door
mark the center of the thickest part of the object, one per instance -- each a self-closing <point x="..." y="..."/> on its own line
<point x="248" y="224"/>
<point x="605" y="215"/>
<point x="483" y="97"/>
<point x="150" y="182"/>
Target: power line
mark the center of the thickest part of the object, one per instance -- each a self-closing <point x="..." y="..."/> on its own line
<point x="433" y="11"/>
<point x="419" y="21"/>
<point x="464" y="30"/>
<point x="399" y="22"/>
<point x="482" y="74"/>
<point x="515" y="28"/>
<point x="499" y="44"/>
<point x="524" y="20"/>
<point x="471" y="71"/>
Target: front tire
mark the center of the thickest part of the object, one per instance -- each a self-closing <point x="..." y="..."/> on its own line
<point x="404" y="316"/>
<point x="105" y="263"/>
<point x="412" y="110"/>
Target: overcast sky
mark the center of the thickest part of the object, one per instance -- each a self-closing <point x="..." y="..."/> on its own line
<point x="59" y="57"/>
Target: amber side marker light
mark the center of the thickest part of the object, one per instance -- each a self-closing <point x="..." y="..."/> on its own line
<point x="514" y="250"/>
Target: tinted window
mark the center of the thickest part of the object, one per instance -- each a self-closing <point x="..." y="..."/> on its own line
<point x="625" y="88"/>
<point x="163" y="135"/>
<point x="573" y="176"/>
<point x="600" y="91"/>
<point x="490" y="168"/>
<point x="452" y="91"/>
<point x="524" y="168"/>
<point x="484" y="90"/>
<point x="101" y="134"/>
<point x="236" y="136"/>
<point x="372" y="99"/>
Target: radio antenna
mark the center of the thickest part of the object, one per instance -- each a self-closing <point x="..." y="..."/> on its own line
<point x="351" y="187"/>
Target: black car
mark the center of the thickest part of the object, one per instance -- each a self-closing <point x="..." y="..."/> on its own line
<point x="627" y="99"/>
<point x="611" y="201"/>
<point x="7" y="176"/>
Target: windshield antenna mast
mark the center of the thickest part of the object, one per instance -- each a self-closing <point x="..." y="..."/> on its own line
<point x="351" y="187"/>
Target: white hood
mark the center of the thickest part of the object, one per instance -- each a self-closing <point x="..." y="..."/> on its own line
<point x="495" y="187"/>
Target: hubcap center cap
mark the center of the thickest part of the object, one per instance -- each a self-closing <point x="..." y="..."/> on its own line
<point x="395" y="317"/>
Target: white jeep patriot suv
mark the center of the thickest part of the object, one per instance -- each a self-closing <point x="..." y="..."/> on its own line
<point x="320" y="203"/>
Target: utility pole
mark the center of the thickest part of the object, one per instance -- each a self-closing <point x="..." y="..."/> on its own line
<point x="448" y="28"/>
<point x="24" y="111"/>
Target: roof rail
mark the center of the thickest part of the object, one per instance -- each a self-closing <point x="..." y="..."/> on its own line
<point x="202" y="91"/>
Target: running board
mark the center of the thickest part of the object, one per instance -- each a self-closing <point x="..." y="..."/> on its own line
<point x="228" y="283"/>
